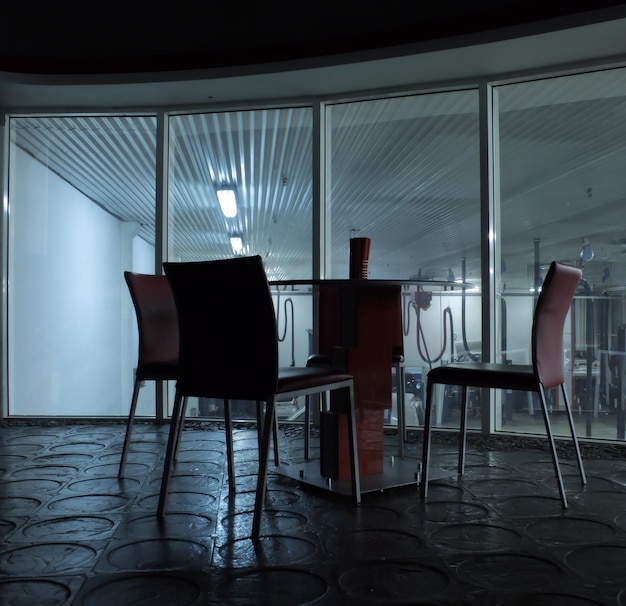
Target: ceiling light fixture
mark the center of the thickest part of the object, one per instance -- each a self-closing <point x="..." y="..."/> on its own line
<point x="236" y="242"/>
<point x="228" y="201"/>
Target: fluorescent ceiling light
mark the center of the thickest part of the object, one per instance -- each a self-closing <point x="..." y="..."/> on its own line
<point x="237" y="243"/>
<point x="228" y="201"/>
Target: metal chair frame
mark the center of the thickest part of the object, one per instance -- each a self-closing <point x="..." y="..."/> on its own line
<point x="218" y="337"/>
<point x="546" y="372"/>
<point x="157" y="325"/>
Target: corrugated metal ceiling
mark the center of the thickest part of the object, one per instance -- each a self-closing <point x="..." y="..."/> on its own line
<point x="404" y="171"/>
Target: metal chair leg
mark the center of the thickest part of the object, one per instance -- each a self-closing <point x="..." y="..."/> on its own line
<point x="181" y="427"/>
<point x="264" y="451"/>
<point x="579" y="458"/>
<point x="259" y="422"/>
<point x="261" y="417"/>
<point x="463" y="430"/>
<point x="322" y="402"/>
<point x="275" y="434"/>
<point x="307" y="426"/>
<point x="129" y="428"/>
<point x="426" y="446"/>
<point x="169" y="454"/>
<point x="355" y="476"/>
<point x="400" y="408"/>
<point x="230" y="457"/>
<point x="555" y="458"/>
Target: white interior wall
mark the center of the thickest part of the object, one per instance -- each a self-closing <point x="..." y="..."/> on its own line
<point x="67" y="299"/>
<point x="519" y="316"/>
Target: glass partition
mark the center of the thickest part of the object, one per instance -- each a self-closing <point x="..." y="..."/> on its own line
<point x="562" y="145"/>
<point x="261" y="160"/>
<point x="404" y="172"/>
<point x="241" y="183"/>
<point x="81" y="211"/>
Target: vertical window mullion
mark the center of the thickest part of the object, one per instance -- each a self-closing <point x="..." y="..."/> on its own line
<point x="489" y="237"/>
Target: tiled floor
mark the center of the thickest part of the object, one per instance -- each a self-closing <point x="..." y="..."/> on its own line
<point x="73" y="534"/>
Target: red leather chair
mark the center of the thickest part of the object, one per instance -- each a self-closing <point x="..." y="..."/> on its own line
<point x="229" y="350"/>
<point x="158" y="339"/>
<point x="545" y="372"/>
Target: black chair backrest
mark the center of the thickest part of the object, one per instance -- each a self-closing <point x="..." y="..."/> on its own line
<point x="553" y="304"/>
<point x="227" y="325"/>
<point x="156" y="319"/>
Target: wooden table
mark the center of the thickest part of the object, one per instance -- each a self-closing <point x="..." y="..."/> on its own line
<point x="363" y="318"/>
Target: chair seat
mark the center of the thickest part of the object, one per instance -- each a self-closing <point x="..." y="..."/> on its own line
<point x="324" y="359"/>
<point x="301" y="379"/>
<point x="483" y="374"/>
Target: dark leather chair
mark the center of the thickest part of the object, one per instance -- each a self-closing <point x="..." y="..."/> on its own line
<point x="545" y="372"/>
<point x="158" y="339"/>
<point x="229" y="350"/>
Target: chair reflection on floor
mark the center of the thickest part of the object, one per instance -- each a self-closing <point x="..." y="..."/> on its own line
<point x="545" y="372"/>
<point x="229" y="350"/>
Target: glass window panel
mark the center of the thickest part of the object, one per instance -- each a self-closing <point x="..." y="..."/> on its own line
<point x="82" y="195"/>
<point x="265" y="158"/>
<point x="562" y="182"/>
<point x="404" y="171"/>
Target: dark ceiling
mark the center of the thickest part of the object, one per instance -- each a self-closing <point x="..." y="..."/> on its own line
<point x="111" y="36"/>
